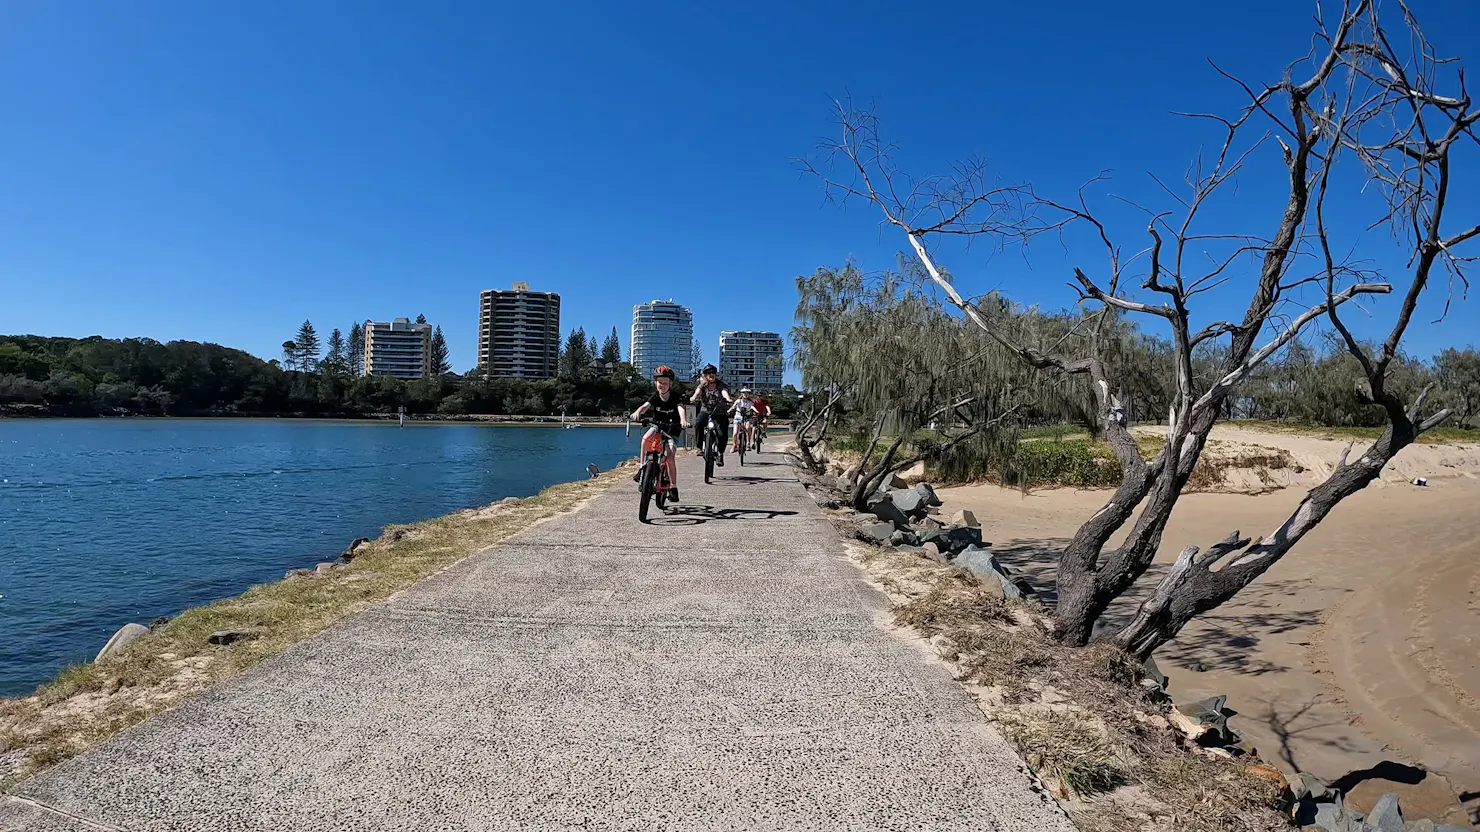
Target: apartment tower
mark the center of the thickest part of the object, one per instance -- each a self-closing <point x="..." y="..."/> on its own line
<point x="751" y="359"/>
<point x="663" y="333"/>
<point x="399" y="348"/>
<point x="518" y="332"/>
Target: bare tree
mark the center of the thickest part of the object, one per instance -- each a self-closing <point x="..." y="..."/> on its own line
<point x="1355" y="97"/>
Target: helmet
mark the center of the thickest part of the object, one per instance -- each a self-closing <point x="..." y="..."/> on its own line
<point x="709" y="368"/>
<point x="744" y="389"/>
<point x="664" y="371"/>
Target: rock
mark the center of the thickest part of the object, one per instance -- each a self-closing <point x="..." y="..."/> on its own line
<point x="593" y="470"/>
<point x="125" y="636"/>
<point x="882" y="507"/>
<point x="323" y="568"/>
<point x="349" y="552"/>
<point x="877" y="532"/>
<point x="915" y="472"/>
<point x="232" y="636"/>
<point x="962" y="537"/>
<point x="298" y="573"/>
<point x="893" y="482"/>
<point x="964" y="517"/>
<point x="909" y="501"/>
<point x="1313" y="788"/>
<point x="928" y="492"/>
<point x="1205" y="721"/>
<point x="1424" y="825"/>
<point x="1333" y="817"/>
<point x="825" y="501"/>
<point x="1154" y="675"/>
<point x="983" y="564"/>
<point x="900" y="538"/>
<point x="1386" y="816"/>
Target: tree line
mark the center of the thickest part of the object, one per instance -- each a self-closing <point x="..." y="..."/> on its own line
<point x="140" y="376"/>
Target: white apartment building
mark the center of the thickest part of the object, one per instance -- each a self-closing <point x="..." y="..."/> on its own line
<point x="748" y="358"/>
<point x="398" y="348"/>
<point x="519" y="332"/>
<point x="663" y="333"/>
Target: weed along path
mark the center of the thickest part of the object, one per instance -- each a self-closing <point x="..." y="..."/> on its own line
<point x="723" y="668"/>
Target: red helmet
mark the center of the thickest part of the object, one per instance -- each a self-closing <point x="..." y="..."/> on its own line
<point x="665" y="371"/>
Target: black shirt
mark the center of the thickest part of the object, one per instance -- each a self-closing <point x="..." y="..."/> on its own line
<point x="665" y="413"/>
<point x="711" y="397"/>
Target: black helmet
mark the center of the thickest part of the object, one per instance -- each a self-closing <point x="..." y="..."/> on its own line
<point x="664" y="371"/>
<point x="709" y="368"/>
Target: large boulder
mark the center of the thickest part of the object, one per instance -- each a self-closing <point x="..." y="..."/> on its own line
<point x="964" y="517"/>
<point x="928" y="492"/>
<point x="879" y="532"/>
<point x="962" y="537"/>
<point x="1386" y="816"/>
<point x="1334" y="817"/>
<point x="900" y="538"/>
<point x="125" y="636"/>
<point x="883" y="507"/>
<point x="914" y="473"/>
<point x="909" y="501"/>
<point x="982" y="563"/>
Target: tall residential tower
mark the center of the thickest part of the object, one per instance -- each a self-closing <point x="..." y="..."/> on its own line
<point x="399" y="348"/>
<point x="518" y="332"/>
<point x="663" y="333"/>
<point x="751" y="359"/>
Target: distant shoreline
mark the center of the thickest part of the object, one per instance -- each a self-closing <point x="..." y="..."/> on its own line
<point x="418" y="418"/>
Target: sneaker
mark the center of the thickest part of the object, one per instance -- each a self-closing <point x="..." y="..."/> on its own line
<point x="672" y="493"/>
<point x="719" y="460"/>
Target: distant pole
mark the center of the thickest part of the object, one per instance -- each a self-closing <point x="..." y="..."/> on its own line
<point x="401" y="415"/>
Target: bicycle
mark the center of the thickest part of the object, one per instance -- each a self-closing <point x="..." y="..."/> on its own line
<point x="759" y="431"/>
<point x="743" y="440"/>
<point x="652" y="478"/>
<point x="711" y="447"/>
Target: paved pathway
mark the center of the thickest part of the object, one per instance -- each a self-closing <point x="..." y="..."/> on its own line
<point x="725" y="668"/>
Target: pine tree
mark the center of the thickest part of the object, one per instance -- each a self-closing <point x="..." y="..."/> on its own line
<point x="421" y="319"/>
<point x="696" y="358"/>
<point x="440" y="365"/>
<point x="337" y="358"/>
<point x="290" y="355"/>
<point x="355" y="353"/>
<point x="611" y="351"/>
<point x="575" y="359"/>
<point x="308" y="347"/>
<point x="592" y="350"/>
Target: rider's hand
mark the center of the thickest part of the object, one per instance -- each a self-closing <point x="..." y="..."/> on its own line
<point x="636" y="417"/>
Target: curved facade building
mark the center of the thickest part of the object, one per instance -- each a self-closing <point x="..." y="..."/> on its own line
<point x="662" y="333"/>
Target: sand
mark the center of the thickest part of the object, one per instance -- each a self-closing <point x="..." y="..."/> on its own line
<point x="1355" y="653"/>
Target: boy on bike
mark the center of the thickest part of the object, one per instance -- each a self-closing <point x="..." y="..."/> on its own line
<point x="714" y="399"/>
<point x="745" y="414"/>
<point x="669" y="417"/>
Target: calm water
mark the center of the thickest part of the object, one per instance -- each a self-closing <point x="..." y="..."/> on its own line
<point x="104" y="522"/>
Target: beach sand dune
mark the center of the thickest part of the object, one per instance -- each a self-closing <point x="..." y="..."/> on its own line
<point x="1357" y="652"/>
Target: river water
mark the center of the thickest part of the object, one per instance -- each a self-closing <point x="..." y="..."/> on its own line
<point x="103" y="522"/>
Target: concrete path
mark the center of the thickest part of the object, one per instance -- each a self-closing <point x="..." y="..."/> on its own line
<point x="724" y="668"/>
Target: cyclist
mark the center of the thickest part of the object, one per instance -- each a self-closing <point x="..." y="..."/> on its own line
<point x="745" y="415"/>
<point x="762" y="414"/>
<point x="713" y="397"/>
<point x="669" y="417"/>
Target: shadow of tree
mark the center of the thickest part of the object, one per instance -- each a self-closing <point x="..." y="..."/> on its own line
<point x="694" y="515"/>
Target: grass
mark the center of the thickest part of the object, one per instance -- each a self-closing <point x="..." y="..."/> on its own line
<point x="1437" y="436"/>
<point x="89" y="702"/>
<point x="1070" y="746"/>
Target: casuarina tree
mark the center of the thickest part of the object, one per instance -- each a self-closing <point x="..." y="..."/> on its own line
<point x="355" y="352"/>
<point x="611" y="349"/>
<point x="307" y="343"/>
<point x="337" y="359"/>
<point x="1371" y="117"/>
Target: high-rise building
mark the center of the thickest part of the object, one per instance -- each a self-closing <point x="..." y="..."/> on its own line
<point x="518" y="332"/>
<point x="751" y="359"/>
<point x="399" y="348"/>
<point x="663" y="333"/>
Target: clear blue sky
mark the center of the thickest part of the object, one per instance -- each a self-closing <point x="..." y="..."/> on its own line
<point x="222" y="171"/>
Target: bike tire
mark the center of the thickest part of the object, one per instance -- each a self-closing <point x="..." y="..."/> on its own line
<point x="646" y="487"/>
<point x="708" y="459"/>
<point x="741" y="450"/>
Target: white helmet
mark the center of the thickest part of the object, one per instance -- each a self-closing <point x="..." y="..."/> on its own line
<point x="744" y="389"/>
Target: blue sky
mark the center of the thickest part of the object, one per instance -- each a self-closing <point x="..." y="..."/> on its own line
<point x="222" y="171"/>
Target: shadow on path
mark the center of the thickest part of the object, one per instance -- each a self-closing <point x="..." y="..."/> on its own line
<point x="692" y="515"/>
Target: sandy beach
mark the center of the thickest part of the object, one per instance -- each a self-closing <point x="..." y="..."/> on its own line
<point x="1355" y="657"/>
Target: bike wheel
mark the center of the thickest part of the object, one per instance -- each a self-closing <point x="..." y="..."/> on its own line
<point x="741" y="449"/>
<point x="648" y="483"/>
<point x="708" y="458"/>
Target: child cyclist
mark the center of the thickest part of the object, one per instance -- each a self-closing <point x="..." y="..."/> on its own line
<point x="669" y="417"/>
<point x="745" y="415"/>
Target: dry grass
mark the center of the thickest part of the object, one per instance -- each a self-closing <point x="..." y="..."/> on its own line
<point x="1437" y="436"/>
<point x="89" y="702"/>
<point x="1080" y="717"/>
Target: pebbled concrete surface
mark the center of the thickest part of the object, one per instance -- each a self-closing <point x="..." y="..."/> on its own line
<point x="725" y="668"/>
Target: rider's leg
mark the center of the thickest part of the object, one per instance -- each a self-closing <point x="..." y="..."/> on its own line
<point x="670" y="459"/>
